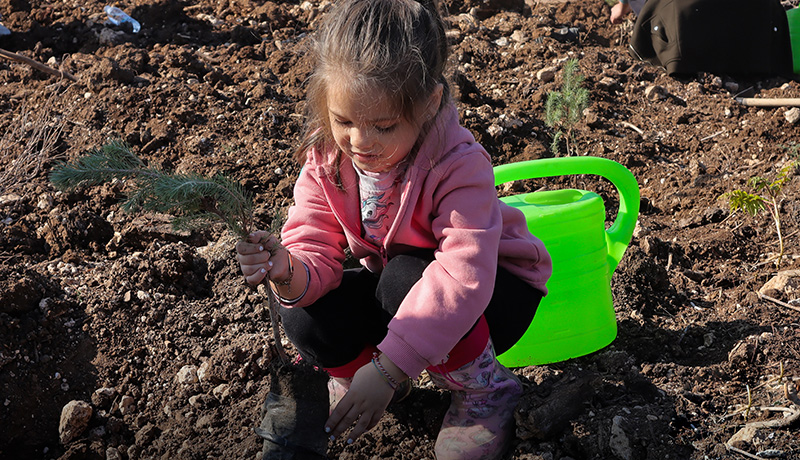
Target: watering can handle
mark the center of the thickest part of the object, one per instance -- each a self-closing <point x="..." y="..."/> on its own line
<point x="618" y="236"/>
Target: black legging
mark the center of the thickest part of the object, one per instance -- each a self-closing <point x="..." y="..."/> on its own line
<point x="335" y="329"/>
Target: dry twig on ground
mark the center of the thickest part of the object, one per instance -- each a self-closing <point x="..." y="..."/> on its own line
<point x="778" y="302"/>
<point x="39" y="130"/>
<point x="793" y="416"/>
<point x="36" y="64"/>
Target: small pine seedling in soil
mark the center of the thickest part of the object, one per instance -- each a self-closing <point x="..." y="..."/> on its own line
<point x="194" y="200"/>
<point x="766" y="195"/>
<point x="564" y="109"/>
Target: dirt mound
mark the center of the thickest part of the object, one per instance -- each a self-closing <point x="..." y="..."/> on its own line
<point x="156" y="330"/>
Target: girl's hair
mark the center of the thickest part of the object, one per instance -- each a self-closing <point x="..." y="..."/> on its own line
<point x="398" y="47"/>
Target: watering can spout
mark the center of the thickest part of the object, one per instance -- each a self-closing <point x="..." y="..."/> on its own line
<point x="577" y="316"/>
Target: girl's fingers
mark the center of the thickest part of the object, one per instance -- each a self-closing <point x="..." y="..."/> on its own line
<point x="255" y="240"/>
<point x="345" y="415"/>
<point x="256" y="236"/>
<point x="255" y="279"/>
<point x="257" y="258"/>
<point x="243" y="248"/>
<point x="253" y="256"/>
<point x="364" y="424"/>
<point x="335" y="419"/>
<point x="342" y="417"/>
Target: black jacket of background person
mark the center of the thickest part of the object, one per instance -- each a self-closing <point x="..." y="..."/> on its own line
<point x="728" y="37"/>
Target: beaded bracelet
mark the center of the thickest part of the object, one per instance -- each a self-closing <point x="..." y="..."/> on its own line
<point x="386" y="376"/>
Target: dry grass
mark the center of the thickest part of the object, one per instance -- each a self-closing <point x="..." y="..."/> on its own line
<point x="29" y="143"/>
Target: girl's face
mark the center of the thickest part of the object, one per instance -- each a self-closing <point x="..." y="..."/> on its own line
<point x="368" y="130"/>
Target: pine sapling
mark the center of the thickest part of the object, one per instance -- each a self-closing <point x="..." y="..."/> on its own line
<point x="766" y="195"/>
<point x="192" y="200"/>
<point x="298" y="394"/>
<point x="564" y="109"/>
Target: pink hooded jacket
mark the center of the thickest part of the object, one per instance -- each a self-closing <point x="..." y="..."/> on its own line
<point x="449" y="204"/>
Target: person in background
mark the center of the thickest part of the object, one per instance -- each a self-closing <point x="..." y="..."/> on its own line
<point x="625" y="7"/>
<point x="449" y="277"/>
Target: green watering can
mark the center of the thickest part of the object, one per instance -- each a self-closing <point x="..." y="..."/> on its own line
<point x="577" y="316"/>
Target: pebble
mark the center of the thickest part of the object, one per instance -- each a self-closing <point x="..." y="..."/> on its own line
<point x="9" y="199"/>
<point x="75" y="416"/>
<point x="188" y="375"/>
<point x="222" y="392"/>
<point x="547" y="74"/>
<point x="608" y="82"/>
<point x="655" y="92"/>
<point x="45" y="201"/>
<point x="203" y="371"/>
<point x="102" y="397"/>
<point x="619" y="442"/>
<point x="742" y="438"/>
<point x="784" y="285"/>
<point x="792" y="115"/>
<point x="126" y="405"/>
<point x="113" y="454"/>
<point x="694" y="88"/>
<point x="494" y="129"/>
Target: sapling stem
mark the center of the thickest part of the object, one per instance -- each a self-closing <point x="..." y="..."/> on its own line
<point x="752" y="203"/>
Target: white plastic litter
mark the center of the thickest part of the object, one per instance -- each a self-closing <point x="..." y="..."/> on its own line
<point x="116" y="16"/>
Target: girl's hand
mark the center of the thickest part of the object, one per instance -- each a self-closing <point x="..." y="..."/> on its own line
<point x="254" y="256"/>
<point x="364" y="404"/>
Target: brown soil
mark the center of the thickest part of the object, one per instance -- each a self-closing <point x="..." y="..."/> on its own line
<point x="92" y="298"/>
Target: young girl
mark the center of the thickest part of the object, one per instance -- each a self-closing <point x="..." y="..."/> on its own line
<point x="451" y="276"/>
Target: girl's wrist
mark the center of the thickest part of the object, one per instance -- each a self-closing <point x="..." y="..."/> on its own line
<point x="287" y="280"/>
<point x="393" y="374"/>
<point x="284" y="293"/>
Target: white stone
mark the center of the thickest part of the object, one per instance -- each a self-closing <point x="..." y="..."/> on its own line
<point x="188" y="375"/>
<point x="792" y="115"/>
<point x="9" y="199"/>
<point x="221" y="392"/>
<point x="126" y="405"/>
<point x="494" y="129"/>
